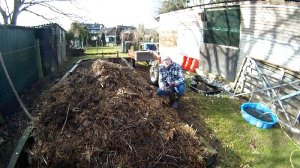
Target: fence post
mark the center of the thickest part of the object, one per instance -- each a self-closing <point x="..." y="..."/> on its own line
<point x="38" y="58"/>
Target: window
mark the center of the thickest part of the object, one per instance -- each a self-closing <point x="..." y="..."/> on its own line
<point x="222" y="26"/>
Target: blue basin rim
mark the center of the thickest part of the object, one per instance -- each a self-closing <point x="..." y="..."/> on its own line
<point x="255" y="121"/>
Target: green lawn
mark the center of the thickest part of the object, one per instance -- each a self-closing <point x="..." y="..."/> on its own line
<point x="100" y="50"/>
<point x="96" y="52"/>
<point x="239" y="144"/>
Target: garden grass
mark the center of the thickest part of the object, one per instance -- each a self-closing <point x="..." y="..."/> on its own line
<point x="106" y="49"/>
<point x="240" y="144"/>
<point x="95" y="53"/>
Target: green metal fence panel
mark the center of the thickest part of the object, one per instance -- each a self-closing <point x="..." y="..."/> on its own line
<point x="18" y="49"/>
<point x="223" y="26"/>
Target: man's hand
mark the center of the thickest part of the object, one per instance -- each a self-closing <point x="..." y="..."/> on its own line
<point x="164" y="87"/>
<point x="172" y="84"/>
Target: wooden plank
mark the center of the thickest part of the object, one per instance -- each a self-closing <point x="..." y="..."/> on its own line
<point x="211" y="153"/>
<point x="262" y="99"/>
<point x="283" y="91"/>
<point x="288" y="74"/>
<point x="256" y="84"/>
<point x="290" y="107"/>
<point x="269" y="69"/>
<point x="292" y="110"/>
<point x="21" y="143"/>
<point x="255" y="80"/>
<point x="273" y="75"/>
<point x="252" y="85"/>
<point x="288" y="90"/>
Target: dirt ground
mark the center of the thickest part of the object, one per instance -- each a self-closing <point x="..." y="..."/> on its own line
<point x="108" y="115"/>
<point x="11" y="131"/>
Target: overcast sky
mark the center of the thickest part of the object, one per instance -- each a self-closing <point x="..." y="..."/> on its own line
<point x="107" y="12"/>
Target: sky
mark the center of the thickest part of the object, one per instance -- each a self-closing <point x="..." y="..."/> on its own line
<point x="108" y="12"/>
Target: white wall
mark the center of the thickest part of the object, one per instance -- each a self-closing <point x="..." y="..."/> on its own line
<point x="180" y="33"/>
<point x="271" y="33"/>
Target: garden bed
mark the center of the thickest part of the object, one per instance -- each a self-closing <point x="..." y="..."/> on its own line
<point x="106" y="114"/>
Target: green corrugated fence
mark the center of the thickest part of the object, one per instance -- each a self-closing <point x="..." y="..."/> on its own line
<point x="18" y="49"/>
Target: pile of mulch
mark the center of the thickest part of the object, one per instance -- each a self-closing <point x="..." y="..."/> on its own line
<point x="108" y="115"/>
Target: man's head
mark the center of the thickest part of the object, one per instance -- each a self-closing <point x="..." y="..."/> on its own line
<point x="166" y="60"/>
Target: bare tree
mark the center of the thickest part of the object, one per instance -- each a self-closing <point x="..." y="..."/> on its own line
<point x="10" y="12"/>
<point x="172" y="5"/>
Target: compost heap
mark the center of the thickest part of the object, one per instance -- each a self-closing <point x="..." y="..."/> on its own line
<point x="107" y="115"/>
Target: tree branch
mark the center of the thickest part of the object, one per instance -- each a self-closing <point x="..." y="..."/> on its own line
<point x="10" y="16"/>
<point x="42" y="16"/>
<point x="60" y="11"/>
<point x="4" y="15"/>
<point x="7" y="7"/>
<point x="36" y="2"/>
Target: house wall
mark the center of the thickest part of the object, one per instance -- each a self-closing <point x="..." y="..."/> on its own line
<point x="271" y="33"/>
<point x="267" y="32"/>
<point x="220" y="60"/>
<point x="181" y="34"/>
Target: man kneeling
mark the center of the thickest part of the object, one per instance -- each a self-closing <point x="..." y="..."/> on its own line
<point x="171" y="81"/>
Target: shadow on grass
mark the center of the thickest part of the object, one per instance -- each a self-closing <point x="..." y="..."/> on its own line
<point x="190" y="112"/>
<point x="238" y="143"/>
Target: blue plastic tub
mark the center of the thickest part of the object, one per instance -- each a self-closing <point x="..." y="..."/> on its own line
<point x="258" y="115"/>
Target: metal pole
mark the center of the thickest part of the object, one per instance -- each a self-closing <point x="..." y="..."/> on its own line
<point x="273" y="87"/>
<point x="297" y="118"/>
<point x="289" y="95"/>
<point x="276" y="96"/>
